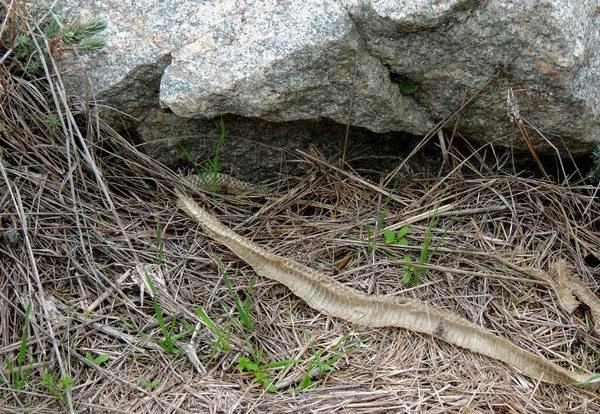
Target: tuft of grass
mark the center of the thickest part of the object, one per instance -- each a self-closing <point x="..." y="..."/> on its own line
<point x="325" y="364"/>
<point x="22" y="46"/>
<point x="150" y="386"/>
<point x="209" y="173"/>
<point x="188" y="155"/>
<point x="57" y="388"/>
<point x="243" y="322"/>
<point x="212" y="166"/>
<point x="223" y="342"/>
<point x="169" y="342"/>
<point x="53" y="122"/>
<point x="261" y="372"/>
<point x="243" y="307"/>
<point x="594" y="173"/>
<point x="99" y="360"/>
<point x="17" y="377"/>
<point x="414" y="274"/>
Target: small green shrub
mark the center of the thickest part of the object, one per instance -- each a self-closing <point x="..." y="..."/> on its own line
<point x="21" y="44"/>
<point x="169" y="342"/>
<point x="57" y="388"/>
<point x="594" y="173"/>
<point x="150" y="386"/>
<point x="100" y="359"/>
<point x="406" y="85"/>
<point x="261" y="372"/>
<point x="223" y="342"/>
<point x="396" y="238"/>
<point x="9" y="234"/>
<point x="17" y="377"/>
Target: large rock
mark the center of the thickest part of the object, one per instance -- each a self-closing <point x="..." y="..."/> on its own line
<point x="358" y="61"/>
<point x="285" y="61"/>
<point x="450" y="47"/>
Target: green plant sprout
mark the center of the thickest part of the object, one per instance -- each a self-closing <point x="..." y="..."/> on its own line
<point x="18" y="377"/>
<point x="415" y="274"/>
<point x="99" y="360"/>
<point x="396" y="238"/>
<point x="212" y="166"/>
<point x="150" y="386"/>
<point x="189" y="157"/>
<point x="210" y="172"/>
<point x="412" y="272"/>
<point x="211" y="169"/>
<point x="321" y="363"/>
<point x="57" y="39"/>
<point x="370" y="239"/>
<point x="326" y="364"/>
<point x="594" y="173"/>
<point x="57" y="388"/>
<point x="223" y="342"/>
<point x="170" y="338"/>
<point x="243" y="308"/>
<point x="371" y="236"/>
<point x="406" y="85"/>
<point x="261" y="372"/>
<point x="53" y="122"/>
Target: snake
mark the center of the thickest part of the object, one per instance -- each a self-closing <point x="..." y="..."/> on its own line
<point x="332" y="298"/>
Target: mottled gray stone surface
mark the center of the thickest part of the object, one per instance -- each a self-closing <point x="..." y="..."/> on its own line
<point x="342" y="60"/>
<point x="285" y="61"/>
<point x="449" y="47"/>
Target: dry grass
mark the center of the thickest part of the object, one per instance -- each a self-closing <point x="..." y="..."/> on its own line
<point x="86" y="204"/>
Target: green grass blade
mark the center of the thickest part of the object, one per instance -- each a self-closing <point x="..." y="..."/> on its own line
<point x="208" y="322"/>
<point x="23" y="347"/>
<point x="242" y="308"/>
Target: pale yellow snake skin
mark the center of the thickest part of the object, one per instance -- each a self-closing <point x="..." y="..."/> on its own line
<point x="332" y="298"/>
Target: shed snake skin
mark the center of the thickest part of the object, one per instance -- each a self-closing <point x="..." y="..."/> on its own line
<point x="332" y="298"/>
